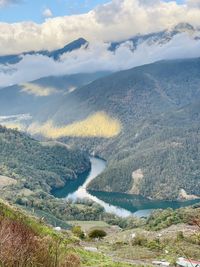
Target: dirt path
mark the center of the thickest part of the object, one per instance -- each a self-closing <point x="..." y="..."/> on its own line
<point x="92" y="247"/>
<point x="132" y="262"/>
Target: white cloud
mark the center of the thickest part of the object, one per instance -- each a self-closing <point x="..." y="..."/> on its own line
<point x="116" y="20"/>
<point x="193" y="3"/>
<point x="8" y="2"/>
<point x="47" y="13"/>
<point x="97" y="58"/>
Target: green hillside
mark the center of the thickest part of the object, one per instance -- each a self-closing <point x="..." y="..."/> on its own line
<point x="164" y="158"/>
<point x="38" y="167"/>
<point x="27" y="241"/>
<point x="29" y="170"/>
<point x="39" y="99"/>
<point x="156" y="153"/>
<point x="143" y="121"/>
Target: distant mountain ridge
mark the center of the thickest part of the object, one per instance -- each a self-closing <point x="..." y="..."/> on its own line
<point x="55" y="54"/>
<point x="155" y="38"/>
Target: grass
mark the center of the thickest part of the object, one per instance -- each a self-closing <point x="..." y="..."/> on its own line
<point x="115" y="247"/>
<point x="88" y="225"/>
<point x="68" y="245"/>
<point x="90" y="259"/>
<point x="15" y="214"/>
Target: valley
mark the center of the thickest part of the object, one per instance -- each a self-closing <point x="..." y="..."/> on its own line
<point x="138" y="120"/>
<point x="100" y="133"/>
<point x="155" y="134"/>
<point x="118" y="203"/>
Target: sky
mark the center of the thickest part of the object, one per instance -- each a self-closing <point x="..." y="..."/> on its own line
<point x="37" y="10"/>
<point x="27" y="25"/>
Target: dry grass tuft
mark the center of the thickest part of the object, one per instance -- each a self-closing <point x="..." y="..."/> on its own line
<point x="21" y="247"/>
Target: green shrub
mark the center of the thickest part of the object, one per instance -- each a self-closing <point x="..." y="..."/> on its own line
<point x="77" y="231"/>
<point x="179" y="236"/>
<point x="97" y="233"/>
<point x="154" y="244"/>
<point x="139" y="240"/>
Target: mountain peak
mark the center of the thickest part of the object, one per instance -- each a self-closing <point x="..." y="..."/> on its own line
<point x="74" y="45"/>
<point x="183" y="27"/>
<point x="78" y="42"/>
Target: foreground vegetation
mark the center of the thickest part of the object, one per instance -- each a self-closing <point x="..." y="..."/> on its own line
<point x="165" y="235"/>
<point x="25" y="241"/>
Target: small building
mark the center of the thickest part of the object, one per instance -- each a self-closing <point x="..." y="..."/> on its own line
<point x="182" y="262"/>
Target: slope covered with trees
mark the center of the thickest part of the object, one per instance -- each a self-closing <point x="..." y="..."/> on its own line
<point x="28" y="166"/>
<point x="158" y="107"/>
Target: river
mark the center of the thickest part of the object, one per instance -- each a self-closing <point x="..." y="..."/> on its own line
<point x="118" y="203"/>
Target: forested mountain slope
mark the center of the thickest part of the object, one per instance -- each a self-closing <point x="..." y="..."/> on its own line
<point x="27" y="166"/>
<point x="144" y="121"/>
<point x="158" y="159"/>
<point x="134" y="94"/>
<point x="38" y="100"/>
<point x="157" y="152"/>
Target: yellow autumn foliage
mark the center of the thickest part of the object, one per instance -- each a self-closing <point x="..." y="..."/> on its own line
<point x="97" y="125"/>
<point x="37" y="90"/>
<point x="14" y="125"/>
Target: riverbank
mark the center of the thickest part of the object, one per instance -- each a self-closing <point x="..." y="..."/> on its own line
<point x="121" y="204"/>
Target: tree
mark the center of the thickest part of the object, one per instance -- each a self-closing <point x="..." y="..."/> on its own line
<point x="97" y="233"/>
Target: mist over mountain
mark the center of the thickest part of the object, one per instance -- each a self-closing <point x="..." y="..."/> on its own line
<point x="181" y="41"/>
<point x="55" y="54"/>
<point x="161" y="37"/>
<point x="158" y="38"/>
<point x="38" y="100"/>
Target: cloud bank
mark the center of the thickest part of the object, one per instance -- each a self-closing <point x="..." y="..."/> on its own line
<point x="98" y="58"/>
<point x="116" y="20"/>
<point x="193" y="3"/>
